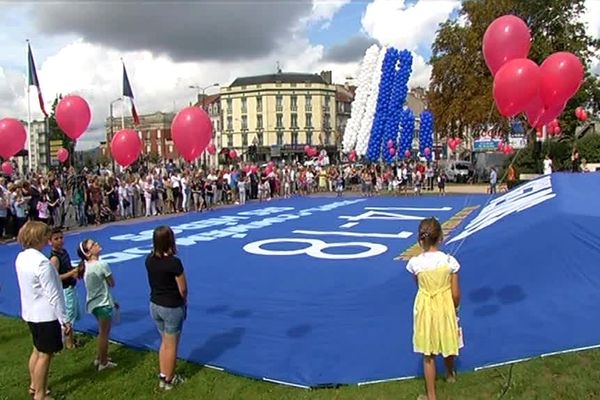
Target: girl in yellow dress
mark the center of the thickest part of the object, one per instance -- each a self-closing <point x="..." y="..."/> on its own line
<point x="435" y="320"/>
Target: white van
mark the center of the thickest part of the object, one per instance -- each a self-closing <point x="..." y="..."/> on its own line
<point x="457" y="171"/>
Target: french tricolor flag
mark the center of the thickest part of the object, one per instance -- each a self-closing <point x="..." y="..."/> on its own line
<point x="127" y="92"/>
<point x="33" y="78"/>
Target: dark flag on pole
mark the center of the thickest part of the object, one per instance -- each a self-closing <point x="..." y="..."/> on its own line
<point x="127" y="92"/>
<point x="33" y="78"/>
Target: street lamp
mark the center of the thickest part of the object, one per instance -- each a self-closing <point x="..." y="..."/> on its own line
<point x="112" y="131"/>
<point x="202" y="90"/>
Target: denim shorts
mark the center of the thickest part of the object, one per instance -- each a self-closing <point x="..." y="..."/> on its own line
<point x="168" y="319"/>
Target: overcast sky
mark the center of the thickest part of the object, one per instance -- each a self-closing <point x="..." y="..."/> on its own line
<point x="168" y="46"/>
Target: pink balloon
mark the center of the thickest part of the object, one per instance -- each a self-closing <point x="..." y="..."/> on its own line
<point x="390" y="144"/>
<point x="427" y="151"/>
<point x="191" y="130"/>
<point x="583" y="116"/>
<point x="506" y="38"/>
<point x="561" y="77"/>
<point x="212" y="149"/>
<point x="7" y="168"/>
<point x="392" y="151"/>
<point x="62" y="154"/>
<point x="556" y="130"/>
<point x="508" y="149"/>
<point x="407" y="154"/>
<point x="306" y="148"/>
<point x="232" y="154"/>
<point x="578" y="112"/>
<point x="73" y="116"/>
<point x="515" y="85"/>
<point x="352" y="156"/>
<point x="126" y="147"/>
<point x="12" y="137"/>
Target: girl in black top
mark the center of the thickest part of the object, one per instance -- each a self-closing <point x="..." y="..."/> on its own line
<point x="168" y="299"/>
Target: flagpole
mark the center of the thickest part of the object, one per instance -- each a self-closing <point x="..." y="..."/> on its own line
<point x="29" y="166"/>
<point x="122" y="101"/>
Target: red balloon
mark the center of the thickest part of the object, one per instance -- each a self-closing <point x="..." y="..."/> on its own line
<point x="306" y="148"/>
<point x="556" y="130"/>
<point x="515" y="86"/>
<point x="506" y="38"/>
<point x="561" y="77"/>
<point x="548" y="114"/>
<point x="392" y="151"/>
<point x="62" y="154"/>
<point x="508" y="149"/>
<point x="253" y="169"/>
<point x="578" y="112"/>
<point x="191" y="130"/>
<point x="7" y="168"/>
<point x="126" y="147"/>
<point x="232" y="154"/>
<point x="12" y="137"/>
<point x="212" y="149"/>
<point x="390" y="144"/>
<point x="73" y="116"/>
<point x="583" y="116"/>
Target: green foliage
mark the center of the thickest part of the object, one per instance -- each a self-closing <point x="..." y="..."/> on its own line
<point x="460" y="94"/>
<point x="589" y="148"/>
<point x="57" y="134"/>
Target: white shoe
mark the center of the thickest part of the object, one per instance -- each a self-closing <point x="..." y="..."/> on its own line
<point x="108" y="365"/>
<point x="176" y="380"/>
<point x="97" y="362"/>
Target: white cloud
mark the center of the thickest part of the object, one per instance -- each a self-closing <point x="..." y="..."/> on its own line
<point x="159" y="84"/>
<point x="406" y="26"/>
<point x="324" y="11"/>
<point x="592" y="20"/>
<point x="421" y="72"/>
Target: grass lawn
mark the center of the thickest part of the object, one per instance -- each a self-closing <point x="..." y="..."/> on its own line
<point x="72" y="376"/>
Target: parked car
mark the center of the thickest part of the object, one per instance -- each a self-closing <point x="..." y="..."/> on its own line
<point x="457" y="171"/>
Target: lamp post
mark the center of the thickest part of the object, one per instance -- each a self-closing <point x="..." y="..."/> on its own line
<point x="202" y="90"/>
<point x="112" y="131"/>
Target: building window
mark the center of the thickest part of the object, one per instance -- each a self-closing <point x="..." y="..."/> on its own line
<point x="294" y="137"/>
<point x="244" y="139"/>
<point x="244" y="122"/>
<point x="309" y="137"/>
<point x="280" y="138"/>
<point x="230" y="140"/>
<point x="259" y="122"/>
<point x="158" y="134"/>
<point x="229" y="106"/>
<point x="244" y="105"/>
<point x="259" y="104"/>
<point x="278" y="103"/>
<point x="327" y="137"/>
<point x="294" y="102"/>
<point x="229" y="123"/>
<point x="326" y="122"/>
<point x="279" y="121"/>
<point x="308" y="101"/>
<point x="308" y="120"/>
<point x="326" y="102"/>
<point x="259" y="137"/>
<point x="294" y="120"/>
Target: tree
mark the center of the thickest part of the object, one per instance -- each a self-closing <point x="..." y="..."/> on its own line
<point x="56" y="133"/>
<point x="461" y="85"/>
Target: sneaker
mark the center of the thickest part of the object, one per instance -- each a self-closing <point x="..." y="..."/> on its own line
<point x="97" y="362"/>
<point x="108" y="365"/>
<point x="166" y="385"/>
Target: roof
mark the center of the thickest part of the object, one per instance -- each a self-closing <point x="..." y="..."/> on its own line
<point x="344" y="94"/>
<point x="287" y="77"/>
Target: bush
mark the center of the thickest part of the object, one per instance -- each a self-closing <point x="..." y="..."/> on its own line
<point x="589" y="148"/>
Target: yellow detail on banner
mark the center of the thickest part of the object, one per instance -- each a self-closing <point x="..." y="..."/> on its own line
<point x="54" y="146"/>
<point x="447" y="228"/>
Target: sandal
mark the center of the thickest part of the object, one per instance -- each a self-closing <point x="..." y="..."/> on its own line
<point x="32" y="392"/>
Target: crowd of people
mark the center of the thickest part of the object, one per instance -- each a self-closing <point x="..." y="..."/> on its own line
<point x="70" y="199"/>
